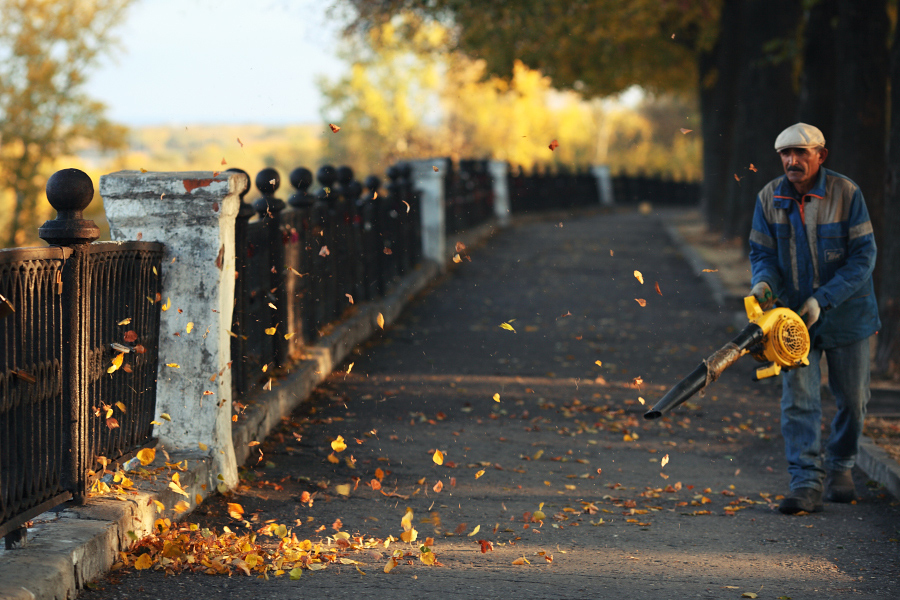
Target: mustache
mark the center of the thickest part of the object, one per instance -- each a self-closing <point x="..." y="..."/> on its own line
<point x="798" y="169"/>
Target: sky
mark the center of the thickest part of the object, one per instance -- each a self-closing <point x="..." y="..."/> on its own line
<point x="219" y="61"/>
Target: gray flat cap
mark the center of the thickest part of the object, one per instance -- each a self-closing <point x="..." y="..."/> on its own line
<point x="799" y="135"/>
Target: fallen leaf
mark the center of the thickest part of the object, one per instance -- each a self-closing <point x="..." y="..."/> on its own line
<point x="435" y="169"/>
<point x="271" y="330"/>
<point x="752" y="168"/>
<point x="112" y="423"/>
<point x="521" y="561"/>
<point x="146" y="456"/>
<point x="350" y="298"/>
<point x="295" y="573"/>
<point x="181" y="506"/>
<point x="438" y="487"/>
<point x="323" y="251"/>
<point x="404" y="202"/>
<point x="143" y="562"/>
<point x="641" y="400"/>
<point x="189" y="327"/>
<point x="121" y="406"/>
<point x="130" y="336"/>
<point x="486" y="545"/>
<point x="390" y="565"/>
<point x="173" y="365"/>
<point x="380" y="320"/>
<point x="598" y="363"/>
<point x="474" y="531"/>
<point x="235" y="511"/>
<point x="343" y="489"/>
<point x="178" y="489"/>
<point x="456" y="258"/>
<point x="553" y="145"/>
<point x="496" y="397"/>
<point x="641" y="301"/>
<point x="202" y="446"/>
<point x="736" y="178"/>
<point x="338" y="444"/>
<point x="664" y="461"/>
<point x="710" y="271"/>
<point x="165" y="416"/>
<point x="508" y="327"/>
<point x="657" y="288"/>
<point x="125" y="321"/>
<point x="683" y="130"/>
<point x="639" y="277"/>
<point x="167" y="305"/>
<point x="749" y="595"/>
<point x="116" y="363"/>
<point x="334" y="128"/>
<point x="479" y="473"/>
<point x="438" y="457"/>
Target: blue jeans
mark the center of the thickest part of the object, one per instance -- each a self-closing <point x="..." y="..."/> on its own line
<point x="801" y="413"/>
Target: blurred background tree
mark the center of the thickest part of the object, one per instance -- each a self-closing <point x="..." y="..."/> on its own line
<point x="46" y="49"/>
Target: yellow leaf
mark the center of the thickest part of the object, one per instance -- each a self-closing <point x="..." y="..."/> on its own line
<point x="333" y="459"/>
<point x="456" y="258"/>
<point x="406" y="521"/>
<point x="178" y="489"/>
<point x="288" y="336"/>
<point x="664" y="461"/>
<point x="143" y="562"/>
<point x="202" y="446"/>
<point x="438" y="457"/>
<point x="521" y="561"/>
<point x="116" y="363"/>
<point x="409" y="536"/>
<point x="167" y="305"/>
<point x="476" y="530"/>
<point x="295" y="573"/>
<point x="641" y="301"/>
<point x="125" y="321"/>
<point x="641" y="400"/>
<point x="748" y="595"/>
<point x="165" y="416"/>
<point x="391" y="563"/>
<point x="508" y="327"/>
<point x="350" y="368"/>
<point x="639" y="277"/>
<point x="173" y="365"/>
<point x="146" y="456"/>
<point x="338" y="444"/>
<point x="235" y="511"/>
<point x="160" y="507"/>
<point x="496" y="397"/>
<point x="271" y="330"/>
<point x="181" y="506"/>
<point x="479" y="474"/>
<point x="598" y="363"/>
<point x="428" y="557"/>
<point x="121" y="406"/>
<point x="380" y="320"/>
<point x="198" y="498"/>
<point x="190" y="326"/>
<point x="343" y="489"/>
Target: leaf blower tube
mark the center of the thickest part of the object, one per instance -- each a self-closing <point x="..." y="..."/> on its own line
<point x="708" y="371"/>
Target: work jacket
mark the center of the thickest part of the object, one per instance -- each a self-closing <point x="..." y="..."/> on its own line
<point x="829" y="254"/>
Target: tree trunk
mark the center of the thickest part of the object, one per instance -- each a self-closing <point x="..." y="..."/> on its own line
<point x="857" y="148"/>
<point x="766" y="105"/>
<point x="887" y="356"/>
<point x="718" y="92"/>
<point x="818" y="79"/>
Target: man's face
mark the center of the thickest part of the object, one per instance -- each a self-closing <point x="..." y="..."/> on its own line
<point x="801" y="165"/>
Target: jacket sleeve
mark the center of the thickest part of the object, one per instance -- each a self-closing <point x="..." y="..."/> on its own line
<point x="861" y="253"/>
<point x="764" y="252"/>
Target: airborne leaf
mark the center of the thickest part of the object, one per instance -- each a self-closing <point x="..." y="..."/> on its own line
<point x="438" y="457"/>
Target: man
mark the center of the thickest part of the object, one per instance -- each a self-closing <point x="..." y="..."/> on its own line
<point x="812" y="247"/>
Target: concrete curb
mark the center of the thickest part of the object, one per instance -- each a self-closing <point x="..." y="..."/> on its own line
<point x="879" y="466"/>
<point x="71" y="546"/>
<point x="716" y="288"/>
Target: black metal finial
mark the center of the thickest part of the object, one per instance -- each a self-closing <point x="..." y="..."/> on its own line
<point x="267" y="182"/>
<point x="394" y="172"/>
<point x="327" y="175"/>
<point x="69" y="191"/>
<point x="301" y="178"/>
<point x="344" y="175"/>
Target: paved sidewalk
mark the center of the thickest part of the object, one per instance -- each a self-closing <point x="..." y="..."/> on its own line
<point x="566" y="438"/>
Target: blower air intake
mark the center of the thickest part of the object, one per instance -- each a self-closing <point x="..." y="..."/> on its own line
<point x="778" y="337"/>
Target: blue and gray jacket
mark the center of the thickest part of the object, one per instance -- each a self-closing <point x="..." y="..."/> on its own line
<point x="828" y="253"/>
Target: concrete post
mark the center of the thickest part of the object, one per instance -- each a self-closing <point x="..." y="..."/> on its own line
<point x="499" y="170"/>
<point x="193" y="215"/>
<point x="604" y="184"/>
<point x="428" y="179"/>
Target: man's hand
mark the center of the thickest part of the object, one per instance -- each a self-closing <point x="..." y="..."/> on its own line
<point x="764" y="295"/>
<point x="812" y="311"/>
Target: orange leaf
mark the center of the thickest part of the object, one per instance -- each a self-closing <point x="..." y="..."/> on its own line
<point x="438" y="457"/>
<point x="641" y="301"/>
<point x="438" y="487"/>
<point x="685" y="131"/>
<point x="554" y="145"/>
<point x="334" y="128"/>
<point x="657" y="288"/>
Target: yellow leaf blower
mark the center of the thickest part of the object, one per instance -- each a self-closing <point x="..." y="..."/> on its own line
<point x="777" y="337"/>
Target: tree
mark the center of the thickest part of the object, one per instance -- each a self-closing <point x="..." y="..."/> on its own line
<point x="46" y="50"/>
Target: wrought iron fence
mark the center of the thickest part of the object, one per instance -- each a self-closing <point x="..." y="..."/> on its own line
<point x="468" y="195"/>
<point x="66" y="311"/>
<point x="303" y="263"/>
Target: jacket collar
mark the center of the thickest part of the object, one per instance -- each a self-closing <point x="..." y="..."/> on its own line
<point x="785" y="192"/>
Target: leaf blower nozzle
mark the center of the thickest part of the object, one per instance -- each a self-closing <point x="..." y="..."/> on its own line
<point x="778" y="337"/>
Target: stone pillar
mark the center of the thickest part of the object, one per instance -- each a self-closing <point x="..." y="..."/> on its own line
<point x="428" y="179"/>
<point x="193" y="215"/>
<point x="499" y="170"/>
<point x="604" y="184"/>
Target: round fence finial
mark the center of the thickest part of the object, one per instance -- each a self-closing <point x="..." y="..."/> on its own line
<point x="69" y="191"/>
<point x="267" y="181"/>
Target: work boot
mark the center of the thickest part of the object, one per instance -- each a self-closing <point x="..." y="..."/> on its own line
<point x="803" y="499"/>
<point x="839" y="487"/>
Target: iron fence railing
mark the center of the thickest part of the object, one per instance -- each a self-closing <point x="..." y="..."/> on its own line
<point x="303" y="263"/>
<point x="468" y="195"/>
<point x="66" y="312"/>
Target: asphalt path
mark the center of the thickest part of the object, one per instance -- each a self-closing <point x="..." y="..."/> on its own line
<point x="566" y="438"/>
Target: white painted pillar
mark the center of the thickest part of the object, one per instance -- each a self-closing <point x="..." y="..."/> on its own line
<point x="499" y="170"/>
<point x="604" y="184"/>
<point x="428" y="179"/>
<point x="192" y="214"/>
